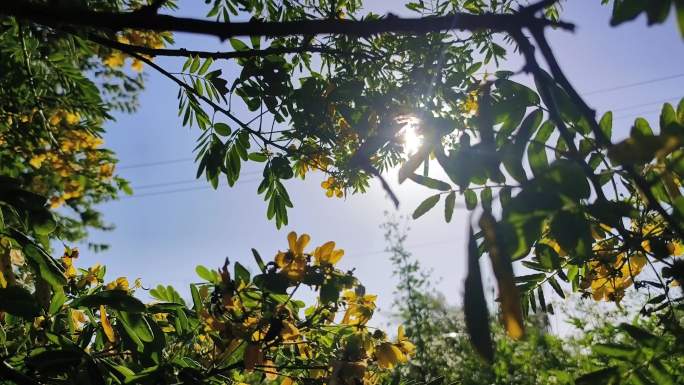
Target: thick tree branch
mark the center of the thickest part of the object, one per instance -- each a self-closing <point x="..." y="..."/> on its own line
<point x="57" y="15"/>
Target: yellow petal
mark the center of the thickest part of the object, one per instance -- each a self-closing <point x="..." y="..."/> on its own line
<point x="336" y="256"/>
<point x="302" y="242"/>
<point x="106" y="325"/>
<point x="292" y="240"/>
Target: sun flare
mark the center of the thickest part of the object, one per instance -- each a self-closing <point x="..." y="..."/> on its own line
<point x="411" y="137"/>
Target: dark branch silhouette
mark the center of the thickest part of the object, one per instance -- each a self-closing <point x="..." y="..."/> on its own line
<point x="75" y="16"/>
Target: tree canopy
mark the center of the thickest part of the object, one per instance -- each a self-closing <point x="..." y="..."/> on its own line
<point x="333" y="89"/>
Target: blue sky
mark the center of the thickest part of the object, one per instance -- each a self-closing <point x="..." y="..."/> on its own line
<point x="161" y="236"/>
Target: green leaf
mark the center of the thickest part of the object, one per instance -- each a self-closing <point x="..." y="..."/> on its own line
<point x="605" y="376"/>
<point x="43" y="222"/>
<point x="205" y="66"/>
<point x="222" y="129"/>
<point x="679" y="9"/>
<point x="18" y="301"/>
<point x="58" y="299"/>
<point x="606" y="124"/>
<point x="257" y="157"/>
<point x="475" y="305"/>
<point x="136" y="326"/>
<point x="449" y="204"/>
<point x="536" y="152"/>
<point x="49" y="269"/>
<point x="486" y="198"/>
<point x="572" y="232"/>
<point x="196" y="299"/>
<point x="660" y="374"/>
<point x="426" y="205"/>
<point x="641" y="128"/>
<point x="625" y="10"/>
<point x="238" y="45"/>
<point x="241" y="273"/>
<point x="470" y="199"/>
<point x="195" y="65"/>
<point x="643" y="337"/>
<point x="409" y="167"/>
<point x="330" y="292"/>
<point x="430" y="182"/>
<point x="205" y="273"/>
<point x="259" y="260"/>
<point x="116" y="299"/>
<point x="620" y="351"/>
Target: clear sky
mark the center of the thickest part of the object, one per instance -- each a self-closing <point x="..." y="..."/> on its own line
<point x="162" y="234"/>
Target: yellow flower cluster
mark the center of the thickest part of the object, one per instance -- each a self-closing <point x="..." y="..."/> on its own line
<point x="78" y="153"/>
<point x="312" y="163"/>
<point x="293" y="262"/>
<point x="116" y="59"/>
<point x="470" y="105"/>
<point x="332" y="188"/>
<point x="90" y="277"/>
<point x="66" y="117"/>
<point x="360" y="308"/>
<point x="608" y="281"/>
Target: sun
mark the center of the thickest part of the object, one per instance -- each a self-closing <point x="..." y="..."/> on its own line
<point x="410" y="136"/>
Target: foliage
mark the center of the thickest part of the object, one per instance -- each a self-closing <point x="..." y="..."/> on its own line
<point x="63" y="324"/>
<point x="550" y="188"/>
<point x="599" y="346"/>
<point x="56" y="93"/>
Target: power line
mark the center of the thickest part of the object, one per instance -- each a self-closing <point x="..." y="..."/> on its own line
<point x="635" y="84"/>
<point x="186" y="189"/>
<point x="151" y="164"/>
<point x="646" y="104"/>
<point x="180" y="182"/>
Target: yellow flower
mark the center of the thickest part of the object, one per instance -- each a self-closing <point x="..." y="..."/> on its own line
<point x="56" y="202"/>
<point x="297" y="245"/>
<point x="68" y="261"/>
<point x="332" y="188"/>
<point x="137" y="65"/>
<point x="293" y="262"/>
<point x="72" y="118"/>
<point x="470" y="105"/>
<point x="115" y="60"/>
<point x="403" y="343"/>
<point x="16" y="257"/>
<point x="120" y="283"/>
<point x="389" y="355"/>
<point x="91" y="277"/>
<point x="78" y="318"/>
<point x="359" y="308"/>
<point x="107" y="170"/>
<point x="56" y="118"/>
<point x="326" y="254"/>
<point x="609" y="281"/>
<point x="37" y="160"/>
<point x="289" y="331"/>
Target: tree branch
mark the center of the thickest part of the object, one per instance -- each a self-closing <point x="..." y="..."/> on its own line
<point x="77" y="16"/>
<point x="216" y="107"/>
<point x="602" y="139"/>
<point x="252" y="53"/>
